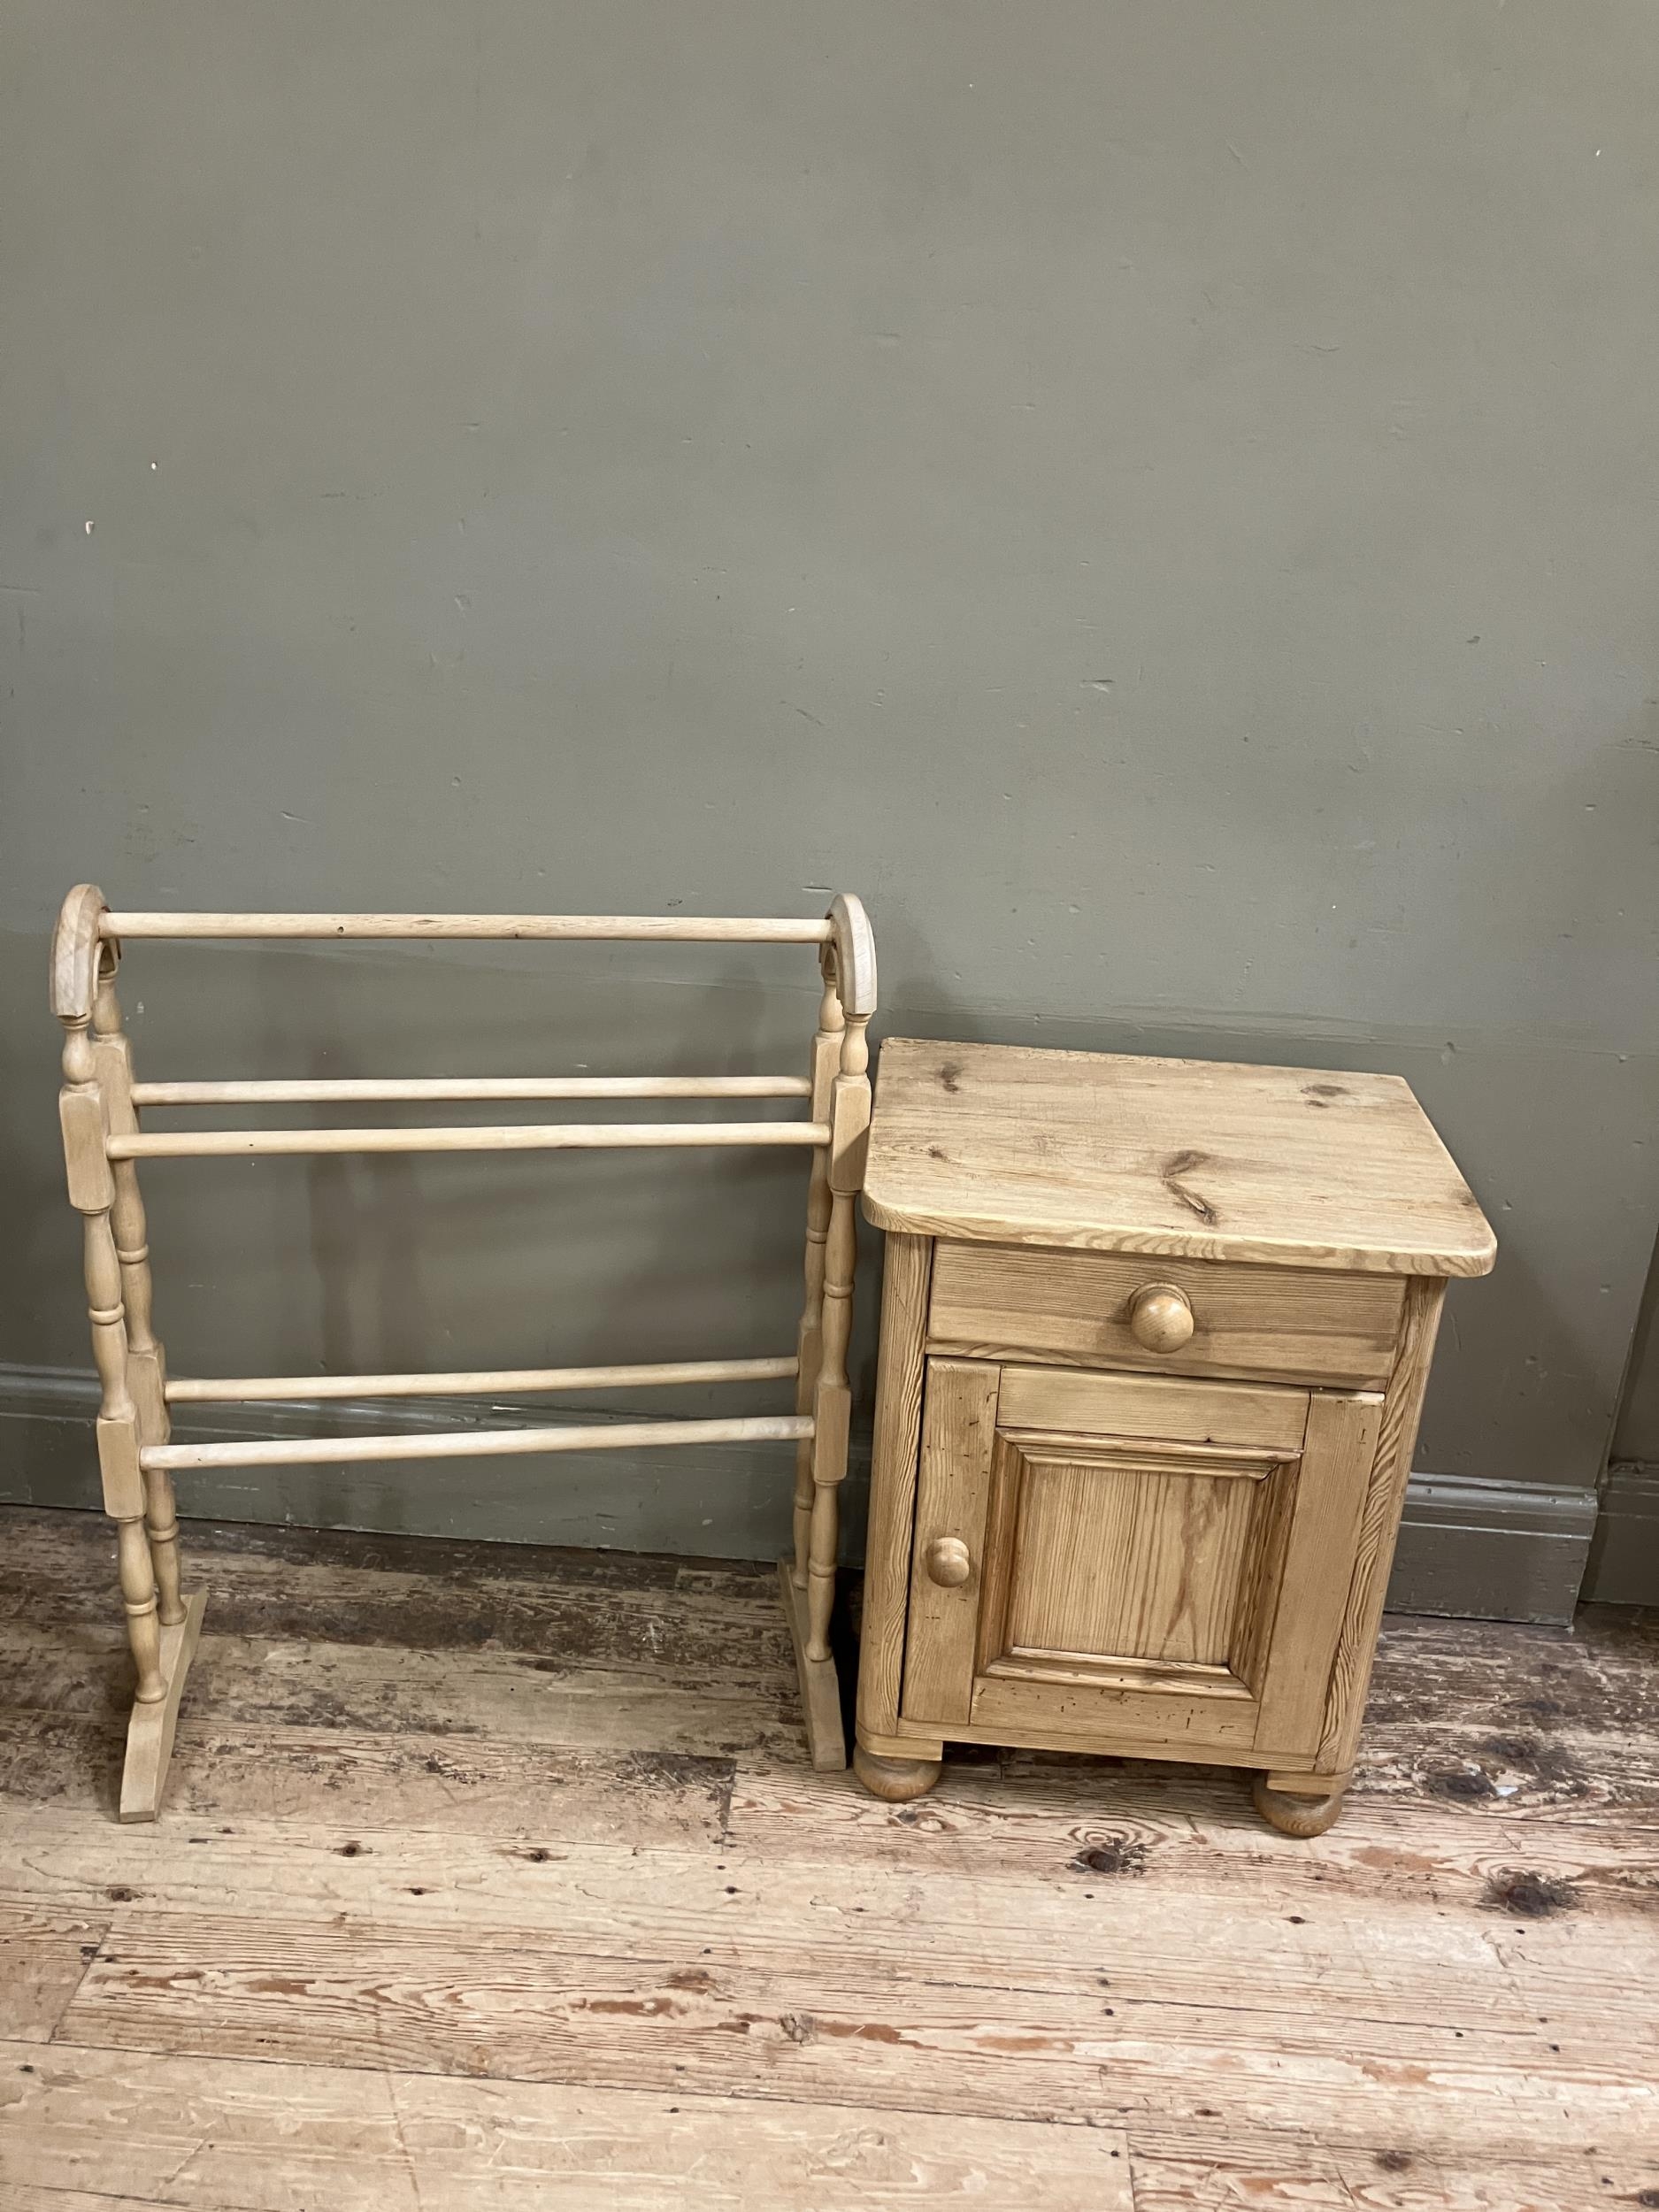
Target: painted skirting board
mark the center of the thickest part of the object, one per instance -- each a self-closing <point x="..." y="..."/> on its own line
<point x="1623" y="1567"/>
<point x="1469" y="1545"/>
<point x="1486" y="1549"/>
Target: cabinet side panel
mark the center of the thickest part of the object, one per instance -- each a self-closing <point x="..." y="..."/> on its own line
<point x="908" y="1268"/>
<point x="1379" y="1525"/>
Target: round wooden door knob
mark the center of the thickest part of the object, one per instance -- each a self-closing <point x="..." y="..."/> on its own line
<point x="1160" y="1317"/>
<point x="948" y="1561"/>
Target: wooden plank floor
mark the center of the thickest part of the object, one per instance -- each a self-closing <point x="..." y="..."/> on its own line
<point x="494" y="1877"/>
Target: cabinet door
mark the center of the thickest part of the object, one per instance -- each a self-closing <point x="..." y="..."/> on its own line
<point x="1132" y="1556"/>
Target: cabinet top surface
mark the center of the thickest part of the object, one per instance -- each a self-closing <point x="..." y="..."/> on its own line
<point x="1005" y="1144"/>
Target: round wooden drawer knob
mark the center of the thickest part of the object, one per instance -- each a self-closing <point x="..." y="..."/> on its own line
<point x="948" y="1561"/>
<point x="1160" y="1317"/>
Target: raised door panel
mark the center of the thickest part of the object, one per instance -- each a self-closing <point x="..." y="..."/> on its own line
<point x="1138" y="1557"/>
<point x="1181" y="1538"/>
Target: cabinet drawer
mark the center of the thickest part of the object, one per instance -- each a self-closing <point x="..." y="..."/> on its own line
<point x="1290" y="1323"/>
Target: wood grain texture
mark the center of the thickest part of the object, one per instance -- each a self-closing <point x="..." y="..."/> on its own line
<point x="1148" y="1551"/>
<point x="77" y="941"/>
<point x="150" y="1730"/>
<point x="478" y="2001"/>
<point x="855" y="947"/>
<point x="1184" y="1842"/>
<point x="1176" y="1545"/>
<point x="1226" y="2174"/>
<point x="831" y="1389"/>
<point x="825" y="1063"/>
<point x="953" y="1494"/>
<point x="619" y="1704"/>
<point x="1293" y="1166"/>
<point x="820" y="1688"/>
<point x="1235" y="1415"/>
<point x="274" y="2137"/>
<point x="1272" y="1324"/>
<point x="497" y="1921"/>
<point x="1321" y="1536"/>
<point x="898" y="1427"/>
<point x="84" y="1116"/>
<point x="1526" y="1721"/>
<point x="1379" y="1525"/>
<point x="1131" y="1707"/>
<point x="569" y="1136"/>
<point x="896" y="1781"/>
<point x="43" y="1955"/>
<point x="1144" y="1559"/>
<point x="146" y="1358"/>
<point x="831" y="1423"/>
<point x="1005" y="1918"/>
<point x="1050" y="2043"/>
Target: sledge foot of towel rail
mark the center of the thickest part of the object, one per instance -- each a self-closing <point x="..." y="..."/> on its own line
<point x="820" y="1685"/>
<point x="150" y="1731"/>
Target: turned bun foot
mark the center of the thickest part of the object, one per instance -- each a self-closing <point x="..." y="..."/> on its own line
<point x="897" y="1780"/>
<point x="1295" y="1816"/>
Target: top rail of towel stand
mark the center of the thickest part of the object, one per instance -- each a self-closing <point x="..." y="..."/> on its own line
<point x="688" y="929"/>
<point x="86" y="944"/>
<point x="87" y="925"/>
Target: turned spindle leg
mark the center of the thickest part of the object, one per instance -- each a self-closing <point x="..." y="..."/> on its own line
<point x="832" y="1399"/>
<point x="162" y="1625"/>
<point x="138" y="1593"/>
<point x="841" y="1097"/>
<point x="161" y="1523"/>
<point x="826" y="1048"/>
<point x="92" y="1193"/>
<point x="146" y="1363"/>
<point x="832" y="1407"/>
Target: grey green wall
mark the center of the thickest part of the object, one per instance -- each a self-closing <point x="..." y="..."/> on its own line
<point x="1159" y="498"/>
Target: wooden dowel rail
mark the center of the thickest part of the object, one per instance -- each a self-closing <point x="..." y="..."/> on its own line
<point x="353" y="1090"/>
<point x="193" y="1144"/>
<point x="691" y="929"/>
<point x="305" y="1451"/>
<point x="504" y="1382"/>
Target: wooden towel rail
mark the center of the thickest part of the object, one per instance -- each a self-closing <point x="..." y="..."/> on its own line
<point x="197" y="1144"/>
<point x="324" y="1451"/>
<point x="332" y="1091"/>
<point x="477" y="1382"/>
<point x="99" y="1109"/>
<point x="694" y="929"/>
